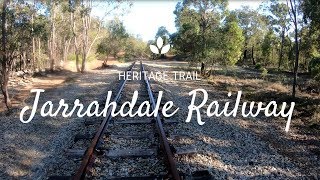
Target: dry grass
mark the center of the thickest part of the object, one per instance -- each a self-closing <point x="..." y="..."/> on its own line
<point x="255" y="88"/>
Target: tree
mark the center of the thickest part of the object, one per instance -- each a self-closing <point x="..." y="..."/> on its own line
<point x="115" y="41"/>
<point x="233" y="41"/>
<point x="198" y="23"/>
<point x="280" y="21"/>
<point x="311" y="34"/>
<point x="311" y="10"/>
<point x="164" y="34"/>
<point x="16" y="33"/>
<point x="293" y="5"/>
<point x="135" y="48"/>
<point x="52" y="40"/>
<point x="74" y="10"/>
<point x="86" y="23"/>
<point x="269" y="41"/>
<point x="6" y="60"/>
<point x="254" y="26"/>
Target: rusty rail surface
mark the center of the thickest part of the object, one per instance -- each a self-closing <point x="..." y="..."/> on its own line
<point x="163" y="139"/>
<point x="89" y="155"/>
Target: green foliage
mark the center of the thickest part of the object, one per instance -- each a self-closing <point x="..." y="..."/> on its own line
<point x="269" y="42"/>
<point x="314" y="67"/>
<point x="135" y="48"/>
<point x="264" y="73"/>
<point x="198" y="24"/>
<point x="254" y="27"/>
<point x="278" y="18"/>
<point x="72" y="57"/>
<point x="233" y="41"/>
<point x="116" y="40"/>
<point x="311" y="9"/>
<point x="258" y="66"/>
<point x="163" y="33"/>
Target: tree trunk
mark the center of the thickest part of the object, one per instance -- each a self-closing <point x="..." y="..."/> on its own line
<point x="252" y="54"/>
<point x="296" y="62"/>
<point x="75" y="43"/>
<point x="202" y="70"/>
<point x="20" y="62"/>
<point x="85" y="42"/>
<point x="39" y="51"/>
<point x="5" y="63"/>
<point x="53" y="37"/>
<point x="4" y="89"/>
<point x="66" y="50"/>
<point x="245" y="54"/>
<point x="33" y="41"/>
<point x="77" y="54"/>
<point x="281" y="49"/>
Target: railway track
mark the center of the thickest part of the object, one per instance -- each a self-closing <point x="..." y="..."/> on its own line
<point x="130" y="147"/>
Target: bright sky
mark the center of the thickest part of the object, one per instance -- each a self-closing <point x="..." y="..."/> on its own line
<point x="146" y="16"/>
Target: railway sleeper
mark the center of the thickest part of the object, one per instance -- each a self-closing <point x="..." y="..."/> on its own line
<point x="59" y="177"/>
<point x="92" y="122"/>
<point x="115" y="153"/>
<point x="197" y="175"/>
<point x="83" y="137"/>
<point x="138" y="152"/>
<point x="155" y="177"/>
<point x="133" y="122"/>
<point x="132" y="136"/>
<point x="74" y="153"/>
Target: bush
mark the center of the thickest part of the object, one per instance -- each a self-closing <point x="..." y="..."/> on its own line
<point x="72" y="57"/>
<point x="122" y="59"/>
<point x="264" y="73"/>
<point x="258" y="66"/>
<point x="314" y="67"/>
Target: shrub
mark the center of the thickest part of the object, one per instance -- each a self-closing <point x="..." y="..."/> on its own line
<point x="314" y="67"/>
<point x="122" y="59"/>
<point x="264" y="73"/>
<point x="258" y="66"/>
<point x="72" y="57"/>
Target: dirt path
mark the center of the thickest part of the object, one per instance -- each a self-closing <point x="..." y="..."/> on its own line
<point x="31" y="150"/>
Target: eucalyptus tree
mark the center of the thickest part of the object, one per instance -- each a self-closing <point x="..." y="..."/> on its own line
<point x="311" y="16"/>
<point x="199" y="19"/>
<point x="254" y="26"/>
<point x="115" y="41"/>
<point x="16" y="33"/>
<point x="164" y="34"/>
<point x="267" y="47"/>
<point x="279" y="19"/>
<point x="6" y="60"/>
<point x="311" y="11"/>
<point x="294" y="6"/>
<point x="233" y="40"/>
<point x="186" y="39"/>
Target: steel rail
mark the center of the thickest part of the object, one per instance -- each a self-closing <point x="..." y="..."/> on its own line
<point x="163" y="139"/>
<point x="89" y="154"/>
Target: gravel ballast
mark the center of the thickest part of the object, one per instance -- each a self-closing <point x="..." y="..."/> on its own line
<point x="227" y="147"/>
<point x="233" y="147"/>
<point x="36" y="150"/>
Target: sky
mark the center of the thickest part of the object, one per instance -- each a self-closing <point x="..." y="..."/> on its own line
<point x="146" y="16"/>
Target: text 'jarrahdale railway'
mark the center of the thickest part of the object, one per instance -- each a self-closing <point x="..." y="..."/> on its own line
<point x="145" y="109"/>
